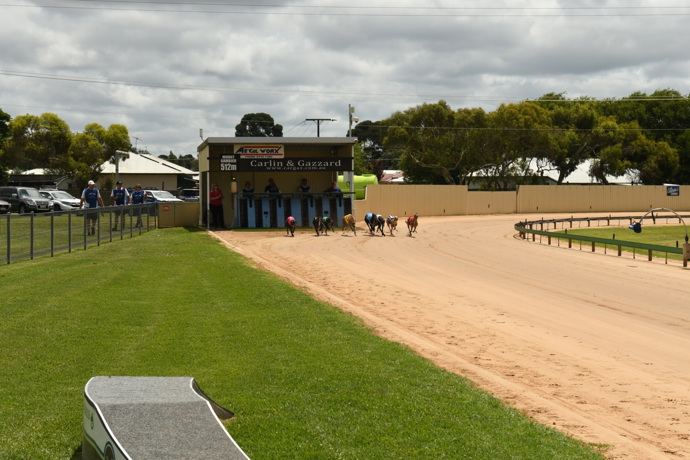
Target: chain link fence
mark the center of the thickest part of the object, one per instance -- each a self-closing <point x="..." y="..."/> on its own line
<point x="27" y="236"/>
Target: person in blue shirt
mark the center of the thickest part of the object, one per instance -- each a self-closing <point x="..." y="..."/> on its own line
<point x="333" y="190"/>
<point x="120" y="197"/>
<point x="247" y="191"/>
<point x="91" y="199"/>
<point x="137" y="197"/>
<point x="304" y="187"/>
<point x="272" y="188"/>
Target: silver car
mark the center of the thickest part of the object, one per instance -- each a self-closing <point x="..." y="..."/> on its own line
<point x="62" y="201"/>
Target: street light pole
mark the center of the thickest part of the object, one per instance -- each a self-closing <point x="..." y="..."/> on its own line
<point x="350" y="111"/>
<point x="119" y="154"/>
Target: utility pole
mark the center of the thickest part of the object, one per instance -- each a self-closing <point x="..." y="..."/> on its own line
<point x="350" y="111"/>
<point x="136" y="142"/>
<point x="119" y="154"/>
<point x="318" y="123"/>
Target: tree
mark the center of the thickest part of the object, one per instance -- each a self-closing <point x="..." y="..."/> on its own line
<point x="258" y="125"/>
<point x="663" y="116"/>
<point x="4" y="127"/>
<point x="573" y="139"/>
<point x="4" y="133"/>
<point x="86" y="157"/>
<point x="518" y="134"/>
<point x="362" y="161"/>
<point x="93" y="147"/>
<point x="628" y="151"/>
<point x="37" y="142"/>
<point x="186" y="161"/>
<point x="435" y="143"/>
<point x="369" y="134"/>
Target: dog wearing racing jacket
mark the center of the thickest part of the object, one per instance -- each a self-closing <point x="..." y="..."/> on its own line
<point x="370" y="220"/>
<point x="322" y="224"/>
<point x="318" y="225"/>
<point x="392" y="223"/>
<point x="349" y="222"/>
<point x="412" y="224"/>
<point x="328" y="224"/>
<point x="379" y="224"/>
<point x="290" y="224"/>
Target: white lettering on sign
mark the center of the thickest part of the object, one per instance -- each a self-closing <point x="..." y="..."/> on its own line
<point x="260" y="151"/>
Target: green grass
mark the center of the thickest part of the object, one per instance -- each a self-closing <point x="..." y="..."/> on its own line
<point x="58" y="231"/>
<point x="304" y="379"/>
<point x="671" y="236"/>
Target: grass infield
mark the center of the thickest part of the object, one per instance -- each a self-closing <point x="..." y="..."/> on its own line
<point x="304" y="379"/>
<point x="671" y="236"/>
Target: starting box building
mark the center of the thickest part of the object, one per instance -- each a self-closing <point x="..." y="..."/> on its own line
<point x="242" y="167"/>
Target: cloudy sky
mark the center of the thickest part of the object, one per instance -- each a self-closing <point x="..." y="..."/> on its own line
<point x="166" y="69"/>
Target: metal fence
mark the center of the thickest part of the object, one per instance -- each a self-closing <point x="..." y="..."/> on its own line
<point x="27" y="236"/>
<point x="541" y="228"/>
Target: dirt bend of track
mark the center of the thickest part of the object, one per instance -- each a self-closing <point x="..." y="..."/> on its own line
<point x="597" y="346"/>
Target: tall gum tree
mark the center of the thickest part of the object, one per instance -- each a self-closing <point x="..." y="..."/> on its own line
<point x="434" y="142"/>
<point x="37" y="142"/>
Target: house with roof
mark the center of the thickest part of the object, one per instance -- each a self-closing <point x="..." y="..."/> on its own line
<point x="149" y="171"/>
<point x="138" y="168"/>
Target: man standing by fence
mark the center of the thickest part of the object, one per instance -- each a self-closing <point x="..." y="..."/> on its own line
<point x="91" y="198"/>
<point x="137" y="197"/>
<point x="120" y="197"/>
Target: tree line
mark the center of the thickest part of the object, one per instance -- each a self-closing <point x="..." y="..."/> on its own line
<point x="46" y="142"/>
<point x="641" y="138"/>
<point x="644" y="139"/>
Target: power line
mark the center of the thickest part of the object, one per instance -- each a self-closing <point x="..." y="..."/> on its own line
<point x="385" y="11"/>
<point x="475" y="98"/>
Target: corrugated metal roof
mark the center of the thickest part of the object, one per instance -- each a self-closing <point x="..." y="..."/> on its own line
<point x="141" y="163"/>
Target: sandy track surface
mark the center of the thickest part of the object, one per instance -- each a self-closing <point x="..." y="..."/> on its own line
<point x="597" y="346"/>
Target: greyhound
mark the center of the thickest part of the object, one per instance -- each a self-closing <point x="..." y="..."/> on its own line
<point x="349" y="222"/>
<point x="290" y="224"/>
<point x="392" y="222"/>
<point x="412" y="224"/>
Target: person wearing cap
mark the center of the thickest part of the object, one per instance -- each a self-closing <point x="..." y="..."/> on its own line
<point x="91" y="198"/>
<point x="137" y="197"/>
<point x="120" y="197"/>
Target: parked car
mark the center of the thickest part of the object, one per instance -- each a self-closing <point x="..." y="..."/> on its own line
<point x="160" y="196"/>
<point x="4" y="207"/>
<point x="189" y="194"/>
<point x="62" y="201"/>
<point x="25" y="199"/>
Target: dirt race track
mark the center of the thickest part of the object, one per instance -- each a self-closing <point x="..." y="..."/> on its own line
<point x="596" y="345"/>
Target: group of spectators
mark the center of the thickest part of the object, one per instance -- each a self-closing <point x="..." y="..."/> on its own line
<point x="304" y="187"/>
<point x="91" y="198"/>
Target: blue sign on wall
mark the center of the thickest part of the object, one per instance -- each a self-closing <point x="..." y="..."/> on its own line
<point x="672" y="190"/>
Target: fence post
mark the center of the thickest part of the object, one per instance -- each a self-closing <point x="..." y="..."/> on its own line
<point x="9" y="239"/>
<point x="52" y="234"/>
<point x="31" y="236"/>
<point x="69" y="232"/>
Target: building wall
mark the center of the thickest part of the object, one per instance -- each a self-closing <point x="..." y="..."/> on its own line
<point x="157" y="181"/>
<point x="599" y="198"/>
<point x="440" y="200"/>
<point x="406" y="200"/>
